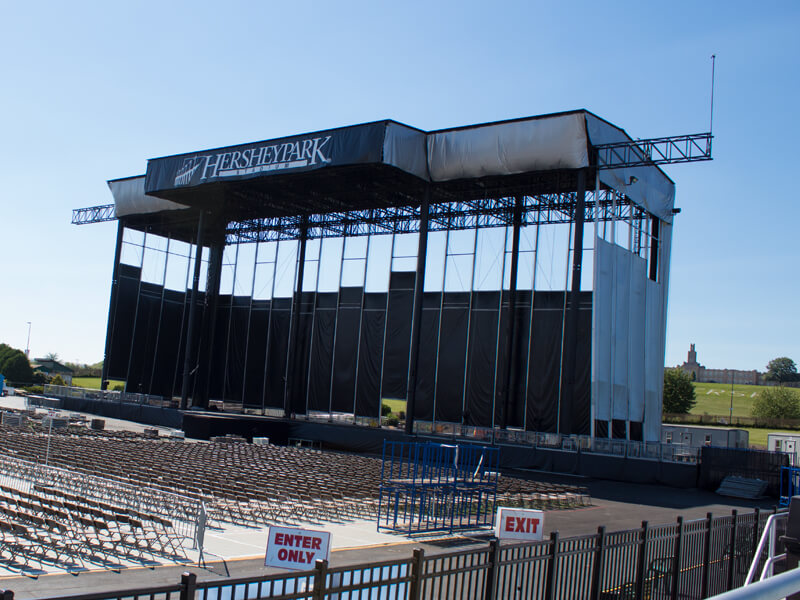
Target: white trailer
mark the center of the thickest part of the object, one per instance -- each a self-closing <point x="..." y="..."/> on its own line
<point x="785" y="442"/>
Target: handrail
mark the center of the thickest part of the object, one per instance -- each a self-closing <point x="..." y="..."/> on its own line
<point x="773" y="588"/>
<point x="768" y="535"/>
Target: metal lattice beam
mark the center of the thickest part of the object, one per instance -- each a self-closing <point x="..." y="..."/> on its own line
<point x="93" y="214"/>
<point x="655" y="151"/>
<point x="546" y="209"/>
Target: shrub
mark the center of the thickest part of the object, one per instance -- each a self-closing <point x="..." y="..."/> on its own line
<point x="58" y="380"/>
<point x="777" y="403"/>
<point x="392" y="420"/>
<point x="118" y="388"/>
<point x="386" y="410"/>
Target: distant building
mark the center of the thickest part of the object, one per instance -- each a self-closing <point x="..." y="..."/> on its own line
<point x="51" y="368"/>
<point x="704" y="375"/>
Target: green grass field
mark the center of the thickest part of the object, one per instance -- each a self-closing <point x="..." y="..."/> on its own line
<point x="395" y="405"/>
<point x="94" y="382"/>
<point x="715" y="399"/>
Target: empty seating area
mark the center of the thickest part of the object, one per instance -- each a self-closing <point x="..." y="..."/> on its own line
<point x="242" y="483"/>
<point x="45" y="527"/>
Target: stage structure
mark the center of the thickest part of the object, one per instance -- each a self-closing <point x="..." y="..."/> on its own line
<point x="504" y="275"/>
<point x="437" y="487"/>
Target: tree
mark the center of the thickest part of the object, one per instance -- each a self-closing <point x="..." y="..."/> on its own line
<point x="781" y="369"/>
<point x="51" y="356"/>
<point x="16" y="368"/>
<point x="777" y="403"/>
<point x="58" y="380"/>
<point x="678" y="392"/>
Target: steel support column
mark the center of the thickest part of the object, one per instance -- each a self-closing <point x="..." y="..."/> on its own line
<point x="188" y="354"/>
<point x="291" y="369"/>
<point x="202" y="387"/>
<point x="565" y="425"/>
<point x="416" y="319"/>
<point x="511" y="329"/>
<point x="112" y="306"/>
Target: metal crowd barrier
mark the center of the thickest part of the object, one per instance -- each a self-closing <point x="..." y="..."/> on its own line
<point x="109" y="396"/>
<point x="656" y="451"/>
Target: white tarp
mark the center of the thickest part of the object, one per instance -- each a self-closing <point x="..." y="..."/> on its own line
<point x="649" y="188"/>
<point x="628" y="339"/>
<point x="130" y="199"/>
<point x="404" y="147"/>
<point x="540" y="144"/>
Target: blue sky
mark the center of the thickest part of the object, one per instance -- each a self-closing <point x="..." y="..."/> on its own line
<point x="92" y="90"/>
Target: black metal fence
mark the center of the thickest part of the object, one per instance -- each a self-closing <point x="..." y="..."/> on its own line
<point x="687" y="560"/>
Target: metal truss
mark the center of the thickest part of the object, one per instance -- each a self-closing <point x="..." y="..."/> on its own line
<point x="93" y="214"/>
<point x="546" y="209"/>
<point x="655" y="151"/>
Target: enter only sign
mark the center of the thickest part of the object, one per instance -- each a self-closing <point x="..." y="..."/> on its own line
<point x="519" y="524"/>
<point x="290" y="548"/>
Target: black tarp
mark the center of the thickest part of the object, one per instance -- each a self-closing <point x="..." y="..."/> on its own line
<point x="452" y="357"/>
<point x="248" y="358"/>
<point x="319" y="390"/>
<point x="398" y="334"/>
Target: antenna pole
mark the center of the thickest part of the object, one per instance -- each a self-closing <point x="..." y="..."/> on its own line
<point x="711" y="119"/>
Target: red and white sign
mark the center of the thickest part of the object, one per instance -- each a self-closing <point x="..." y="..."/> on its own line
<point x="519" y="524"/>
<point x="290" y="548"/>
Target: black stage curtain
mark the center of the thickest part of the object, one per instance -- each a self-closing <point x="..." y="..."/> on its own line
<point x="256" y="353"/>
<point x="544" y="360"/>
<point x="398" y="334"/>
<point x="249" y="352"/>
<point x="319" y="390"/>
<point x="368" y="389"/>
<point x="426" y="365"/>
<point x="452" y="357"/>
<point x="276" y="352"/>
<point x="344" y="372"/>
<point x="480" y="364"/>
<point x="122" y="330"/>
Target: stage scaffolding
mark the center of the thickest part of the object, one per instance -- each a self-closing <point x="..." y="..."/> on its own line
<point x="481" y="296"/>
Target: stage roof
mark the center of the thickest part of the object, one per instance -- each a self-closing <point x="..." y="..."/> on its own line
<point x="388" y="164"/>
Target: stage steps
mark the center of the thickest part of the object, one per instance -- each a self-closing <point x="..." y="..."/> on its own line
<point x="742" y="487"/>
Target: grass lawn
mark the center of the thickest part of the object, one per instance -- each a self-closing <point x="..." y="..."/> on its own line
<point x="395" y="405"/>
<point x="94" y="382"/>
<point x="715" y="399"/>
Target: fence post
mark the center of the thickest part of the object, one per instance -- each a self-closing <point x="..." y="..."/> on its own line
<point x="320" y="574"/>
<point x="551" y="567"/>
<point x="732" y="551"/>
<point x="756" y="524"/>
<point x="188" y="586"/>
<point x="490" y="582"/>
<point x="676" y="567"/>
<point x="415" y="586"/>
<point x="598" y="562"/>
<point x="707" y="557"/>
<point x="640" y="567"/>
